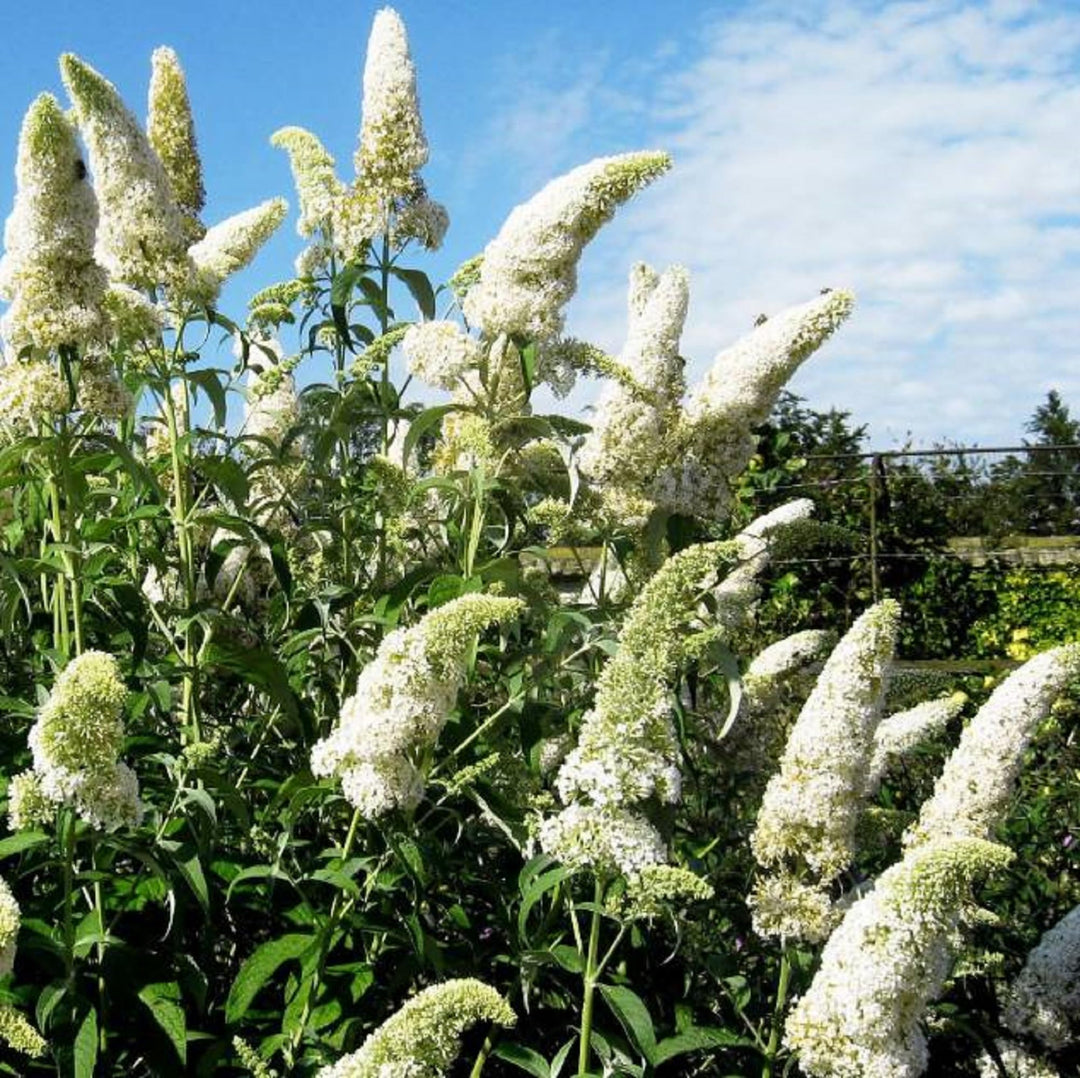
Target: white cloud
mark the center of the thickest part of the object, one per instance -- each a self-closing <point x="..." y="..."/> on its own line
<point x="923" y="153"/>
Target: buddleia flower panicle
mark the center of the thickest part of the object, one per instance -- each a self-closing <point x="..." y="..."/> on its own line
<point x="171" y="130"/>
<point x="806" y="825"/>
<point x="389" y="197"/>
<point x="48" y="273"/>
<point x="439" y="353"/>
<point x="769" y="669"/>
<point x="1044" y="1000"/>
<point x="738" y="592"/>
<point x="31" y="392"/>
<point x="627" y="436"/>
<point x="231" y="244"/>
<point x="142" y="238"/>
<point x="422" y="1039"/>
<point x="972" y="794"/>
<point x="101" y="392"/>
<point x="76" y="741"/>
<point x="529" y="270"/>
<point x="890" y="956"/>
<point x="898" y="734"/>
<point x="713" y="441"/>
<point x="402" y="701"/>
<point x="628" y="751"/>
<point x="133" y="317"/>
<point x="317" y="187"/>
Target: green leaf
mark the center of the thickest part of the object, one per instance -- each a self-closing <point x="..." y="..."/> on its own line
<point x="186" y="859"/>
<point x="426" y="421"/>
<point x="21" y="840"/>
<point x="259" y="967"/>
<point x="416" y="281"/>
<point x="208" y="380"/>
<point x="526" y="1059"/>
<point x="633" y="1015"/>
<point x="85" y="1048"/>
<point x="163" y="1001"/>
<point x="729" y="667"/>
<point x="696" y="1039"/>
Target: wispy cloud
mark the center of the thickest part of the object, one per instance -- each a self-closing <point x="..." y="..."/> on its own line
<point x="923" y="153"/>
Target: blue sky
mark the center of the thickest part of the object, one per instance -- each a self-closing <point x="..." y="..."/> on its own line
<point x="923" y="153"/>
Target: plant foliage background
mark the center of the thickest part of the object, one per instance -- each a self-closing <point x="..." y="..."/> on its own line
<point x="348" y="736"/>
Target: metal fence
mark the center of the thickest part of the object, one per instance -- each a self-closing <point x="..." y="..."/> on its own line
<point x="1009" y="505"/>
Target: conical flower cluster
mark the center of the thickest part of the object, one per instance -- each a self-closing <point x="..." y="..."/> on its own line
<point x="628" y="432"/>
<point x="713" y="441"/>
<point x="171" y="130"/>
<point x="862" y="1015"/>
<point x="76" y="743"/>
<point x="402" y="701"/>
<point x="805" y="833"/>
<point x="142" y="238"/>
<point x="388" y="197"/>
<point x="422" y="1039"/>
<point x="48" y="272"/>
<point x="529" y="271"/>
<point x="973" y="791"/>
<point x="1044" y="1000"/>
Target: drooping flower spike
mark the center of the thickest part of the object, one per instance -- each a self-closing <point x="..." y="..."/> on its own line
<point x="862" y="1015"/>
<point x="422" y="1040"/>
<point x="402" y="701"/>
<point x="805" y="832"/>
<point x="977" y="783"/>
<point x="529" y="270"/>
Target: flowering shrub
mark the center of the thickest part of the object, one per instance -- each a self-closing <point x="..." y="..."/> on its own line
<point x="310" y="766"/>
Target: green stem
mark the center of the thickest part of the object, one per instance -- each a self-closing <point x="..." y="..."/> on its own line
<point x="69" y="891"/>
<point x="592" y="973"/>
<point x="773" y="1047"/>
<point x="181" y="523"/>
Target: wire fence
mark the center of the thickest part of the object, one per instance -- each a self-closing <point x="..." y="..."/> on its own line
<point x="1010" y="505"/>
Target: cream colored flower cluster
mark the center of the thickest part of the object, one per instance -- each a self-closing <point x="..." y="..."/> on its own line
<point x="422" y="1039"/>
<point x="861" y="1016"/>
<point x="170" y="128"/>
<point x="76" y="742"/>
<point x="402" y="701"/>
<point x="529" y="271"/>
<point x="273" y="409"/>
<point x="1044" y="1000"/>
<point x="973" y="791"/>
<point x="232" y="244"/>
<point x="806" y="825"/>
<point x="1018" y="1063"/>
<point x="440" y="353"/>
<point x="14" y="1028"/>
<point x="56" y="290"/>
<point x="712" y="442"/>
<point x="628" y="432"/>
<point x="901" y="732"/>
<point x="628" y="752"/>
<point x="388" y="197"/>
<point x="30" y="393"/>
<point x="141" y="238"/>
